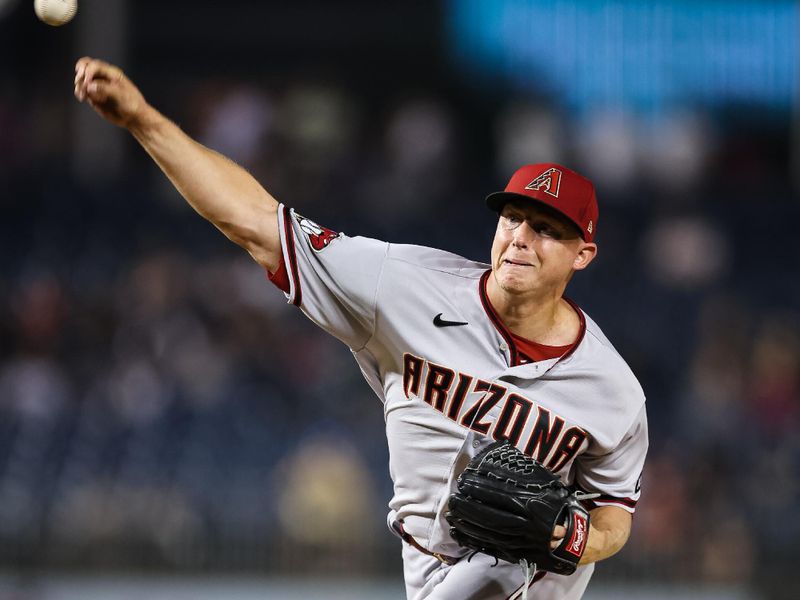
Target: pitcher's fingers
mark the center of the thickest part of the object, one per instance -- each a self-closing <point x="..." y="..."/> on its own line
<point x="80" y="90"/>
<point x="559" y="531"/>
<point x="81" y="86"/>
<point x="99" y="91"/>
<point x="85" y="70"/>
<point x="92" y="69"/>
<point x="81" y="62"/>
<point x="98" y="69"/>
<point x="80" y="67"/>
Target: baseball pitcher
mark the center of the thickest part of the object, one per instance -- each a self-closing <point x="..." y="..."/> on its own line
<point x="517" y="434"/>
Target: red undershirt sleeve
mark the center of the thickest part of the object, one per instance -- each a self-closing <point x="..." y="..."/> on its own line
<point x="280" y="278"/>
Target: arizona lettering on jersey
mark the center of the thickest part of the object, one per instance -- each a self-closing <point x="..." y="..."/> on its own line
<point x="472" y="399"/>
<point x="452" y="379"/>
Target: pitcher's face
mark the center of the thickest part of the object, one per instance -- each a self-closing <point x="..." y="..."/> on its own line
<point x="536" y="250"/>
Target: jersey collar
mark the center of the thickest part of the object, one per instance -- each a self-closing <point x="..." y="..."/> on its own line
<point x="514" y="354"/>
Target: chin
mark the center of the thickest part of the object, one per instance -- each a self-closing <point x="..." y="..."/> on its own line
<point x="515" y="289"/>
<point x="513" y="284"/>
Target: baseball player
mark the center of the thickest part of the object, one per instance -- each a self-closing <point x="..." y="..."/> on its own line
<point x="460" y="353"/>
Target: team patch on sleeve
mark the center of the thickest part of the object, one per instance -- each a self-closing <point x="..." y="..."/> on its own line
<point x="319" y="237"/>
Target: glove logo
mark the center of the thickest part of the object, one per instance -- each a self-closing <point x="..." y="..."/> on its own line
<point x="578" y="540"/>
<point x="548" y="182"/>
<point x="319" y="237"/>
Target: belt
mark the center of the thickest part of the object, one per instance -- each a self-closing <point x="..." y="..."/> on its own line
<point x="398" y="528"/>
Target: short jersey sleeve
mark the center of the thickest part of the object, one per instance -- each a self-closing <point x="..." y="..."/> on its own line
<point x="616" y="475"/>
<point x="332" y="277"/>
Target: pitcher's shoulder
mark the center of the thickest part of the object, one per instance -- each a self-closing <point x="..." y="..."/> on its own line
<point x="602" y="358"/>
<point x="409" y="256"/>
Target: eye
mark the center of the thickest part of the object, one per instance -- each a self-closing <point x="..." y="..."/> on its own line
<point x="546" y="229"/>
<point x="511" y="220"/>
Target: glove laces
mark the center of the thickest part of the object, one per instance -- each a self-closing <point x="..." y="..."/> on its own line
<point x="529" y="571"/>
<point x="581" y="496"/>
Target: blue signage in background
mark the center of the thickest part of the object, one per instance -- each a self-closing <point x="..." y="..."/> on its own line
<point x="646" y="55"/>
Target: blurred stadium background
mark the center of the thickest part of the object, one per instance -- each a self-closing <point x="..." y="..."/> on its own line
<point x="169" y="427"/>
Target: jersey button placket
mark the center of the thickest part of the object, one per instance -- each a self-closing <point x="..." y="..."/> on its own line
<point x="503" y="347"/>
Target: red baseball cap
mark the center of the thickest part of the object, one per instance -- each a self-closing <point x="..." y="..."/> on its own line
<point x="557" y="187"/>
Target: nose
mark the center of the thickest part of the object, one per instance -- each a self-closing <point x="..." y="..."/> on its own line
<point x="523" y="235"/>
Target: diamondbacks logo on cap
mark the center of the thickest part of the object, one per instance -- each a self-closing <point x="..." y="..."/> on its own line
<point x="549" y="181"/>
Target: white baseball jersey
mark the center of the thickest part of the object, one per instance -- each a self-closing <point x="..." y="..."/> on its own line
<point x="452" y="380"/>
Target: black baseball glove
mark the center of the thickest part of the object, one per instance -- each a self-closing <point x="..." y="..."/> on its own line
<point x="507" y="505"/>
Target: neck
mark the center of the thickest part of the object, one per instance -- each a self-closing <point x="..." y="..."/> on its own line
<point x="545" y="317"/>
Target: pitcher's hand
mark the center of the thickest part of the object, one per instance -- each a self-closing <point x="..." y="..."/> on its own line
<point x="108" y="91"/>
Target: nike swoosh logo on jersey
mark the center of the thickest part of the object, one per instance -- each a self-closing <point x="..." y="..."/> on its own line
<point x="440" y="322"/>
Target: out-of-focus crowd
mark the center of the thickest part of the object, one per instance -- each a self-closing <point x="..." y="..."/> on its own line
<point x="162" y="406"/>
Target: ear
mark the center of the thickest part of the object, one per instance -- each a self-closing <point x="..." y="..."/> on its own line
<point x="586" y="254"/>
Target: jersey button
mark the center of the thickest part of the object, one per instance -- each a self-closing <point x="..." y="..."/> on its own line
<point x="503" y="347"/>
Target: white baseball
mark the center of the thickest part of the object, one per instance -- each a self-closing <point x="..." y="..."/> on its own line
<point x="55" y="12"/>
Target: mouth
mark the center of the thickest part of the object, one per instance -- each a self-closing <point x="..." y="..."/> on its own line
<point x="516" y="263"/>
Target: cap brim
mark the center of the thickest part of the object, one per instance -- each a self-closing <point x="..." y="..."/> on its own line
<point x="497" y="200"/>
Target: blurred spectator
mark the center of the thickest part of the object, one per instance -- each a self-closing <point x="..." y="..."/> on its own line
<point x="607" y="145"/>
<point x="39" y="307"/>
<point x="685" y="252"/>
<point x="35" y="388"/>
<point x="712" y="406"/>
<point x="675" y="154"/>
<point x="238" y="124"/>
<point x="414" y="170"/>
<point x="325" y="491"/>
<point x="663" y="523"/>
<point x="526" y="134"/>
<point x="113" y="516"/>
<point x="774" y="376"/>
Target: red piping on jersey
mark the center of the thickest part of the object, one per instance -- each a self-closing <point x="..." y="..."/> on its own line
<point x="398" y="528"/>
<point x="289" y="237"/>
<point x="582" y="330"/>
<point x="630" y="503"/>
<point x="487" y="306"/>
<point x="508" y="337"/>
